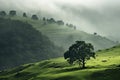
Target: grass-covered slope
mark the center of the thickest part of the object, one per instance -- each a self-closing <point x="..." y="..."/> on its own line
<point x="21" y="43"/>
<point x="64" y="36"/>
<point x="106" y="66"/>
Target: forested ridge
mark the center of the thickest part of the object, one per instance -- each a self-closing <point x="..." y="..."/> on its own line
<point x="20" y="43"/>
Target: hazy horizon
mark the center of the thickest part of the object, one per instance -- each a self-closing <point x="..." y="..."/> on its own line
<point x="101" y="16"/>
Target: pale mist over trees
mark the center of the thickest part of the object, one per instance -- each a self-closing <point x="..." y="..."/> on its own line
<point x="90" y="15"/>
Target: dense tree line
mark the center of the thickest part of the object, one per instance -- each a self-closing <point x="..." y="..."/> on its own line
<point x="20" y="43"/>
<point x="35" y="17"/>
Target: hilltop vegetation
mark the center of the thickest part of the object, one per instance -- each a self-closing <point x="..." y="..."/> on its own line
<point x="21" y="43"/>
<point x="61" y="33"/>
<point x="106" y="66"/>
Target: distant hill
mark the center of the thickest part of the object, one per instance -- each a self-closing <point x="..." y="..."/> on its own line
<point x="21" y="43"/>
<point x="106" y="66"/>
<point x="64" y="35"/>
<point x="61" y="33"/>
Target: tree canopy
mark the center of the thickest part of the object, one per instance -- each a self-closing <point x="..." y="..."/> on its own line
<point x="12" y="13"/>
<point x="24" y="14"/>
<point x="80" y="52"/>
<point x="2" y="13"/>
<point x="34" y="17"/>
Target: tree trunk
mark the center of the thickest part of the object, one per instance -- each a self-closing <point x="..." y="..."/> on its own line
<point x="83" y="63"/>
<point x="79" y="64"/>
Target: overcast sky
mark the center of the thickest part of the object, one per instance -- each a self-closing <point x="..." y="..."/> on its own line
<point x="101" y="16"/>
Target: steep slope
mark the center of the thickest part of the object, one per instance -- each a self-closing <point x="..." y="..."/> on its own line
<point x="64" y="36"/>
<point x="59" y="69"/>
<point x="20" y="43"/>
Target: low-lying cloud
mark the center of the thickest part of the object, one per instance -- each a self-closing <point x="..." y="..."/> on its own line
<point x="101" y="16"/>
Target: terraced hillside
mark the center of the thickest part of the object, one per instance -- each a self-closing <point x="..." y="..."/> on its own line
<point x="106" y="66"/>
<point x="64" y="36"/>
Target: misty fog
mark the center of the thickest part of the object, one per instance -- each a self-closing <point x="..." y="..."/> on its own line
<point x="101" y="16"/>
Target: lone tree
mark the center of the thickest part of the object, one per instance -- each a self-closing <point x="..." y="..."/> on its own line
<point x="24" y="14"/>
<point x="95" y="33"/>
<point x="80" y="52"/>
<point x="34" y="17"/>
<point x="44" y="19"/>
<point x="74" y="27"/>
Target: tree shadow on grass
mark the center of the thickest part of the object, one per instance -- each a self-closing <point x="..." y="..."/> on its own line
<point x="77" y="69"/>
<point x="57" y="78"/>
<point x="66" y="78"/>
<point x="25" y="75"/>
<point x="14" y="70"/>
<point x="108" y="74"/>
<point x="72" y="69"/>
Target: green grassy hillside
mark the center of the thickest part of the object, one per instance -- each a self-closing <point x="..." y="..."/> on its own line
<point x="106" y="66"/>
<point x="21" y="43"/>
<point x="64" y="36"/>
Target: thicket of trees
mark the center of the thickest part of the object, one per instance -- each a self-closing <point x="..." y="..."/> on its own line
<point x="2" y="13"/>
<point x="35" y="17"/>
<point x="60" y="22"/>
<point x="12" y="13"/>
<point x="53" y="21"/>
<point x="71" y="26"/>
<point x="20" y="43"/>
